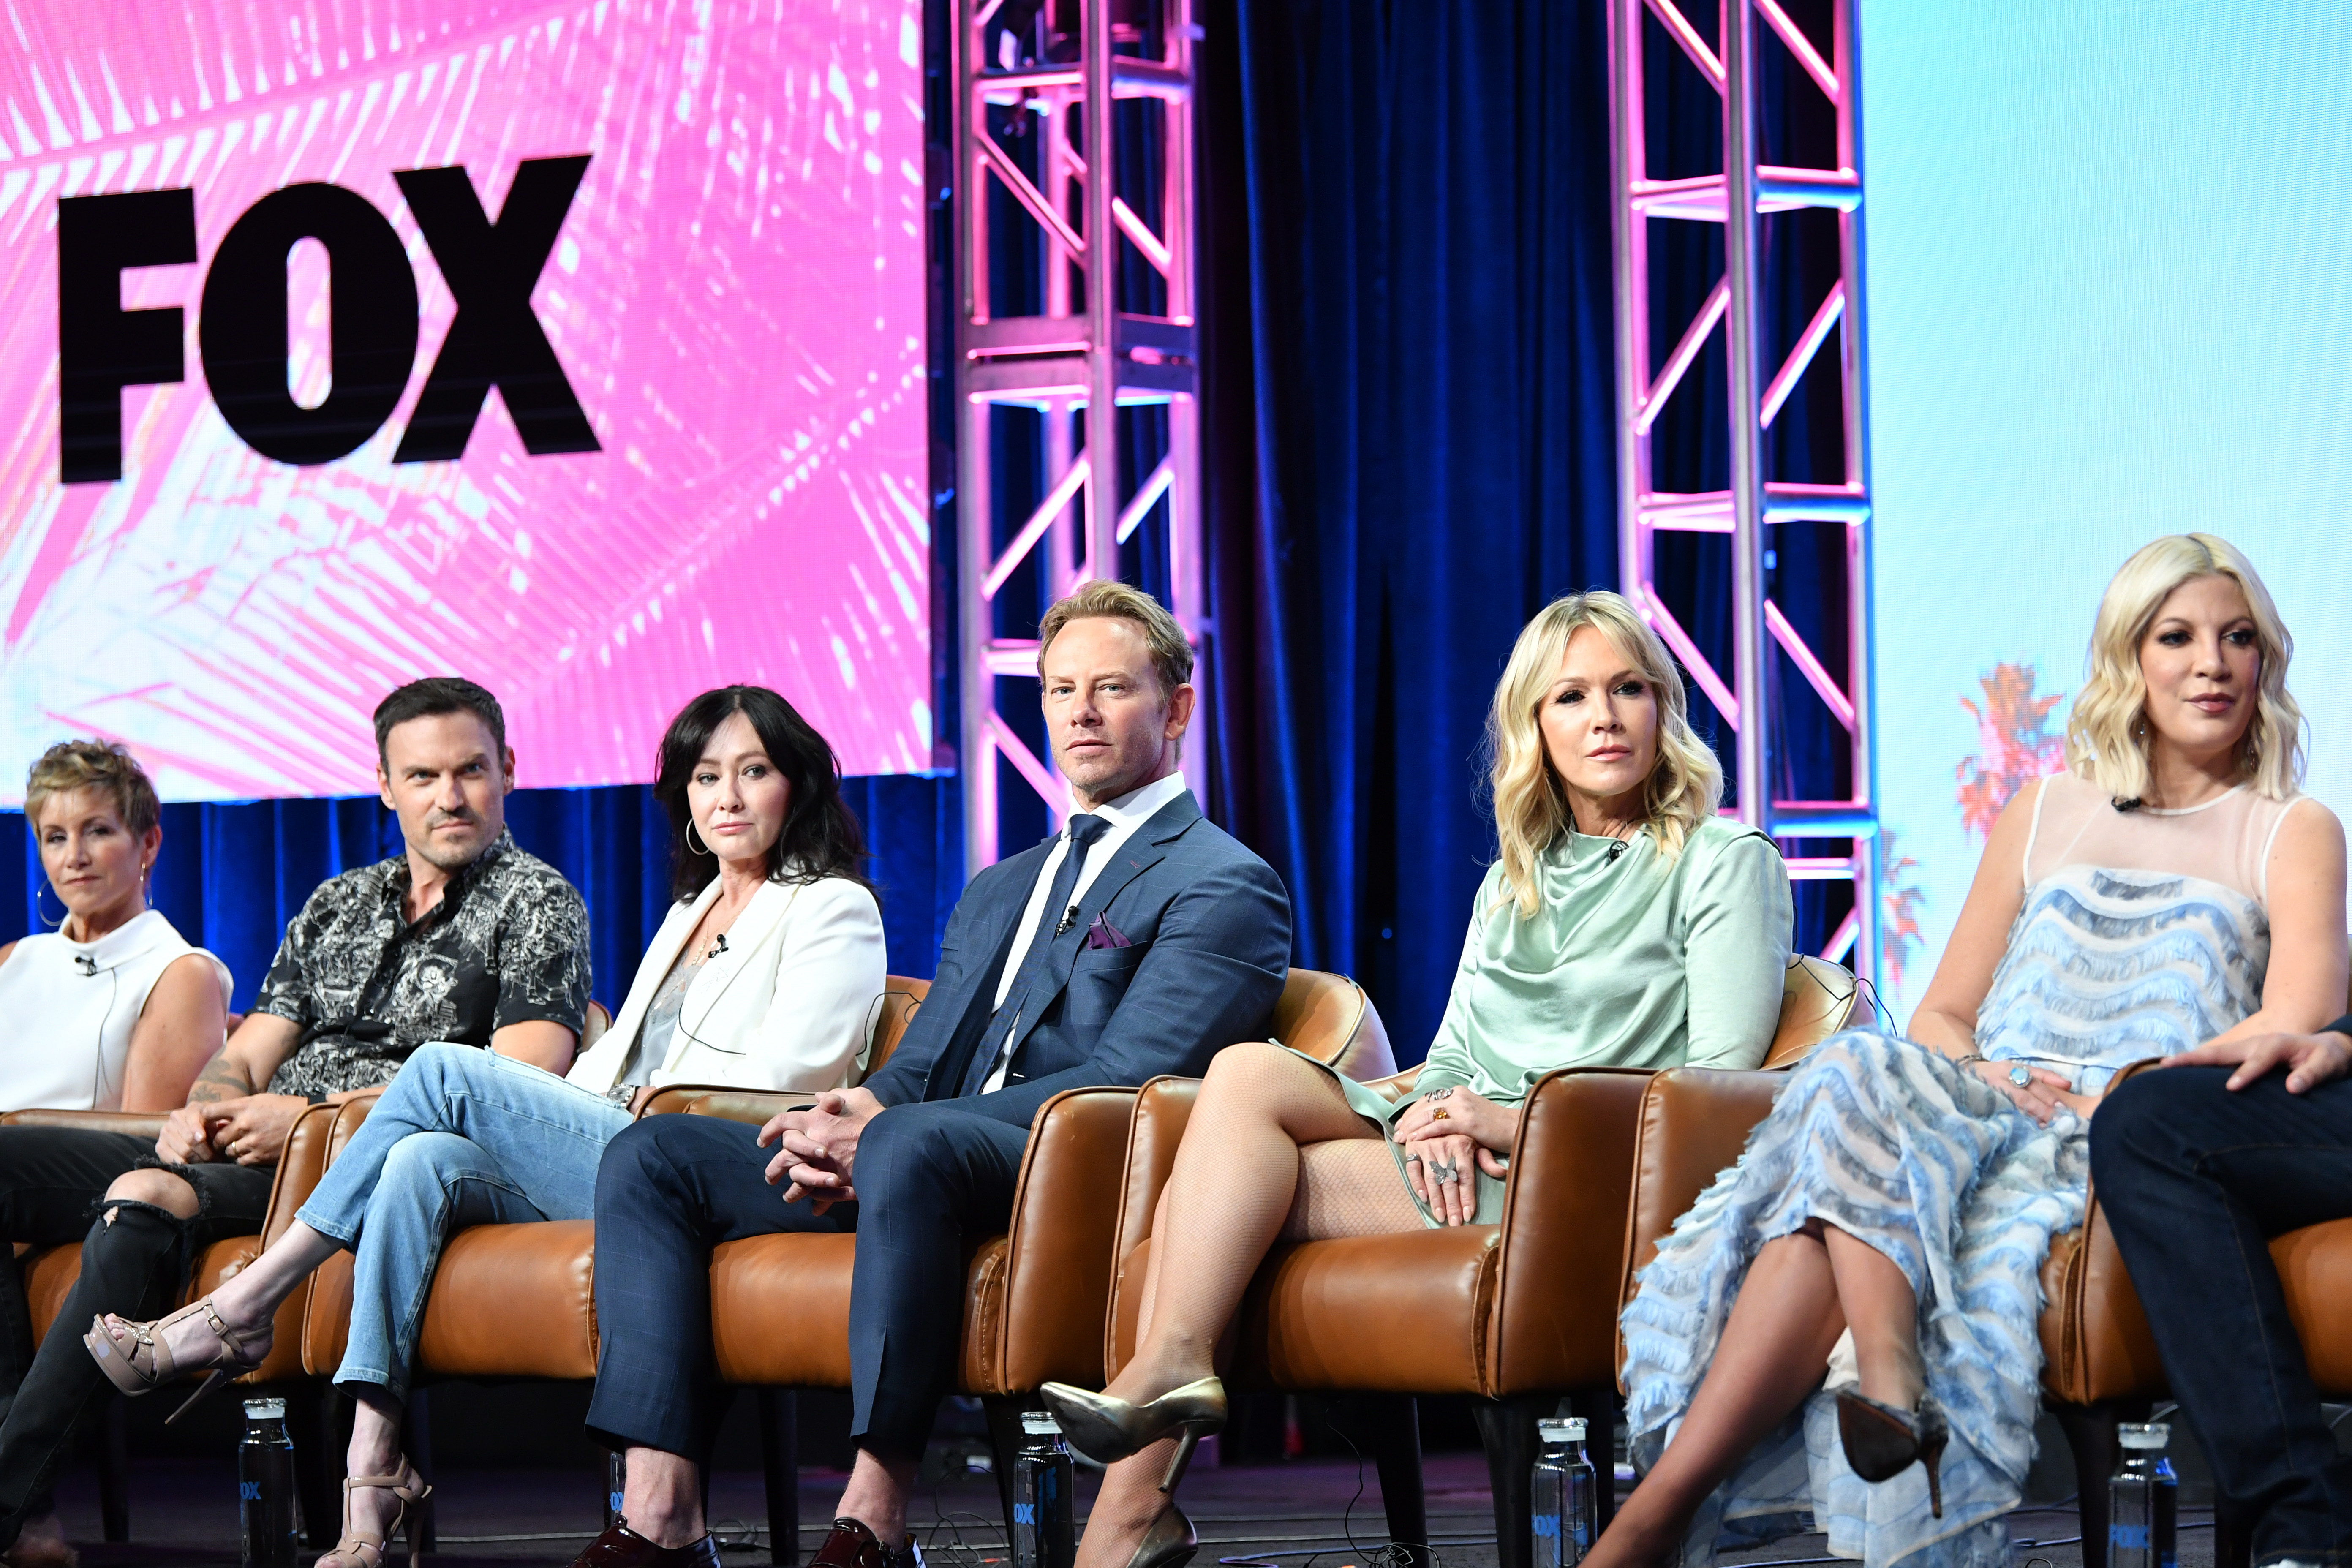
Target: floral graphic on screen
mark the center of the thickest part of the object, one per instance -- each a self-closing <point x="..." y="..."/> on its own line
<point x="1899" y="903"/>
<point x="2014" y="744"/>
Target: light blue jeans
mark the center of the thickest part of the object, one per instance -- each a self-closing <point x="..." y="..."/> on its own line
<point x="462" y="1137"/>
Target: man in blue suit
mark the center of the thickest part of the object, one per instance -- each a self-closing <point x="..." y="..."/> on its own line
<point x="1138" y="941"/>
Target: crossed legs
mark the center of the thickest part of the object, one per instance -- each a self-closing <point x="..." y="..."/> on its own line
<point x="1272" y="1150"/>
<point x="1802" y="1293"/>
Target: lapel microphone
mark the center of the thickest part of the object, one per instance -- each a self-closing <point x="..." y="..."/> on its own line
<point x="718" y="944"/>
<point x="1616" y="849"/>
<point x="88" y="964"/>
<point x="1069" y="918"/>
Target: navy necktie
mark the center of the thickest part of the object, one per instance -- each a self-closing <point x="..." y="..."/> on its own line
<point x="1084" y="829"/>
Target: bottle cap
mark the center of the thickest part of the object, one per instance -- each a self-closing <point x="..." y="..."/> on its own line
<point x="264" y="1410"/>
<point x="2143" y="1434"/>
<point x="1567" y="1429"/>
<point x="1040" y="1424"/>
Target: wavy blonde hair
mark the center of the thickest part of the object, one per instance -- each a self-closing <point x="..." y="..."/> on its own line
<point x="1531" y="810"/>
<point x="2106" y="742"/>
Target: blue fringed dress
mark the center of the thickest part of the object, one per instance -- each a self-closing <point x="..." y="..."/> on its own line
<point x="2140" y="934"/>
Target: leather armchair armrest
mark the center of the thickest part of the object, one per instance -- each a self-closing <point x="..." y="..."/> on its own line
<point x="1563" y="1232"/>
<point x="753" y="1107"/>
<point x="1059" y="1262"/>
<point x="1162" y="1107"/>
<point x="1694" y="1121"/>
<point x="139" y="1123"/>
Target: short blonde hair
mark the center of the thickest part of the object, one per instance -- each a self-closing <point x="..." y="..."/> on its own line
<point x="1531" y="811"/>
<point x="1172" y="655"/>
<point x="101" y="765"/>
<point x="2107" y="742"/>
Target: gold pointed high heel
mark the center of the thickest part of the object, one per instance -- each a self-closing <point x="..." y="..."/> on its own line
<point x="1169" y="1544"/>
<point x="1107" y="1430"/>
<point x="358" y="1549"/>
<point x="1882" y="1442"/>
<point x="136" y="1360"/>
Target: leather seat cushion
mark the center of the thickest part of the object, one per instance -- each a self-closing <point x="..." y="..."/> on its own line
<point x="514" y="1300"/>
<point x="780" y="1309"/>
<point x="1407" y="1313"/>
<point x="50" y="1274"/>
<point x="2314" y="1264"/>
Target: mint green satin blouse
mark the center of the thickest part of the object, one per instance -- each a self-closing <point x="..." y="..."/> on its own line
<point x="1634" y="963"/>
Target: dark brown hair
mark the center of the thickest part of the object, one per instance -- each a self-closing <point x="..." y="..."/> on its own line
<point x="821" y="836"/>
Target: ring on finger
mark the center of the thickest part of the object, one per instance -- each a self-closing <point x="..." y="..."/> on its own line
<point x="2020" y="1077"/>
<point x="1441" y="1115"/>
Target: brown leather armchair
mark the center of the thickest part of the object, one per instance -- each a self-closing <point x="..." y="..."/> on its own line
<point x="1035" y="1298"/>
<point x="50" y="1274"/>
<point x="1515" y="1316"/>
<point x="2100" y="1364"/>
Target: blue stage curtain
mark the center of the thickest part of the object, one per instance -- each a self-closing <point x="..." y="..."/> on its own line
<point x="231" y="876"/>
<point x="1409" y="405"/>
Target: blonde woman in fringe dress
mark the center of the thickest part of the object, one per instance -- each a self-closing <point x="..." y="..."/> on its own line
<point x="1840" y="1333"/>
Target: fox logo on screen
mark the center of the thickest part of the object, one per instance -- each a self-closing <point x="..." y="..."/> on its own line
<point x="494" y="339"/>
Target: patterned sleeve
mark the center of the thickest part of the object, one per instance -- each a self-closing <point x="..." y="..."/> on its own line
<point x="541" y="956"/>
<point x="286" y="991"/>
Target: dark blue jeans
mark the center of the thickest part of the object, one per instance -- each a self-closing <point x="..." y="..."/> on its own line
<point x="2195" y="1180"/>
<point x="671" y="1188"/>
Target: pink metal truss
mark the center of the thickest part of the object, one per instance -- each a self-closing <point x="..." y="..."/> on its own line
<point x="1736" y="198"/>
<point x="1083" y="356"/>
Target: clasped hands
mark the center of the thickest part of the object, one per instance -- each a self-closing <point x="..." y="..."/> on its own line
<point x="819" y="1147"/>
<point x="1450" y="1135"/>
<point x="250" y="1130"/>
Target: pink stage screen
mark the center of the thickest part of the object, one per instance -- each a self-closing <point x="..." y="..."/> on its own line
<point x="680" y="278"/>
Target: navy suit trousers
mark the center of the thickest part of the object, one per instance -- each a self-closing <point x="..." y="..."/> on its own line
<point x="2196" y="1179"/>
<point x="930" y="1178"/>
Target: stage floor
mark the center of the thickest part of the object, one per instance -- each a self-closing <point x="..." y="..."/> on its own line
<point x="183" y="1512"/>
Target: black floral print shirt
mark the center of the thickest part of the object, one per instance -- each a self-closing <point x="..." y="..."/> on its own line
<point x="507" y="943"/>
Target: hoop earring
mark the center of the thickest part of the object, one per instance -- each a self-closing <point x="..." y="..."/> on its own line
<point x="43" y="915"/>
<point x="691" y="843"/>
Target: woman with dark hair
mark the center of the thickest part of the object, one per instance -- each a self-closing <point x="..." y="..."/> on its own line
<point x="763" y="976"/>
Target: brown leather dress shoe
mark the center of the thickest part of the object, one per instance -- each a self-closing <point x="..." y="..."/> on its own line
<point x="620" y="1547"/>
<point x="849" y="1544"/>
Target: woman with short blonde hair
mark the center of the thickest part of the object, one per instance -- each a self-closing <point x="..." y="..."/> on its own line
<point x="1623" y="924"/>
<point x="1844" y="1329"/>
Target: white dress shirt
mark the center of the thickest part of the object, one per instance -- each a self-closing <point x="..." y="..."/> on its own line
<point x="1125" y="814"/>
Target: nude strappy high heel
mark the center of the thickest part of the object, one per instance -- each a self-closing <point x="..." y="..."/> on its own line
<point x="136" y="1360"/>
<point x="1108" y="1430"/>
<point x="358" y="1549"/>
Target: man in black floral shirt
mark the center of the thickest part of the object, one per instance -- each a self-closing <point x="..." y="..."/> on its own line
<point x="462" y="937"/>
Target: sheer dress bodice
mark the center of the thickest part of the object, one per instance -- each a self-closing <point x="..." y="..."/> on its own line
<point x="2143" y="933"/>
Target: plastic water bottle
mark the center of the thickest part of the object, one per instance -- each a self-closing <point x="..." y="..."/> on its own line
<point x="265" y="1487"/>
<point x="616" y="1482"/>
<point x="1566" y="1504"/>
<point x="2142" y="1500"/>
<point x="1044" y="1531"/>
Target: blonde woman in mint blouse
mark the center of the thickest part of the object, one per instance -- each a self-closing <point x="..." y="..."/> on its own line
<point x="1623" y="924"/>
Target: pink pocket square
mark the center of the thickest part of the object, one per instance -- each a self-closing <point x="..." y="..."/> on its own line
<point x="1102" y="933"/>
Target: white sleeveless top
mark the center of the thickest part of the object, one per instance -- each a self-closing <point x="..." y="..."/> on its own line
<point x="71" y="1005"/>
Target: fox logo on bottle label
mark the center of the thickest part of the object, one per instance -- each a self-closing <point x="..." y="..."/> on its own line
<point x="496" y="339"/>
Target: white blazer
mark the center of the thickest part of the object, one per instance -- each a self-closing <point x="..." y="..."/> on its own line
<point x="786" y="1006"/>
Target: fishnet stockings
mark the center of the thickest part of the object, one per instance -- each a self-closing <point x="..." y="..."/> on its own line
<point x="1272" y="1150"/>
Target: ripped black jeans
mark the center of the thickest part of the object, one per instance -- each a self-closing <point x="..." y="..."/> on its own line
<point x="51" y="1182"/>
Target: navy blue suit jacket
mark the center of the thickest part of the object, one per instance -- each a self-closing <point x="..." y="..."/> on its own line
<point x="1209" y="927"/>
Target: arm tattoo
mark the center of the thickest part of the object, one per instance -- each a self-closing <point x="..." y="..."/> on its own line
<point x="221" y="1079"/>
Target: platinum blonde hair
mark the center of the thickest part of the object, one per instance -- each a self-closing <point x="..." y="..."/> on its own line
<point x="1531" y="810"/>
<point x="2107" y="740"/>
